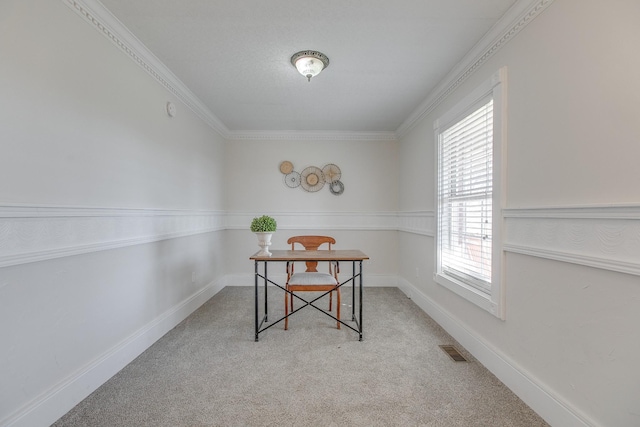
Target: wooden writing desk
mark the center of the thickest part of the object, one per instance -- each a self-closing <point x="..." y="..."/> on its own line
<point x="349" y="255"/>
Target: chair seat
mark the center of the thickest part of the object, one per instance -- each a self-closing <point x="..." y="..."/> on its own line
<point x="314" y="278"/>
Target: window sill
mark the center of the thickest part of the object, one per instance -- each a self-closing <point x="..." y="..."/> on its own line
<point x="471" y="294"/>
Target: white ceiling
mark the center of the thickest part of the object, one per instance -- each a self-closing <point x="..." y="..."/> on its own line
<point x="386" y="56"/>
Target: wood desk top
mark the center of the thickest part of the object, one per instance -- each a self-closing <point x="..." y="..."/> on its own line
<point x="320" y="255"/>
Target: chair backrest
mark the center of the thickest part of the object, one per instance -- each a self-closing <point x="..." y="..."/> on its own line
<point x="311" y="243"/>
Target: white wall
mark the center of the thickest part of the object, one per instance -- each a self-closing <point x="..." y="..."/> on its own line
<point x="369" y="174"/>
<point x="107" y="209"/>
<point x="572" y="309"/>
<point x="360" y="218"/>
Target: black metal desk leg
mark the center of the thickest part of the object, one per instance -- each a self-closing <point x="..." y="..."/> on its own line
<point x="353" y="291"/>
<point x="265" y="292"/>
<point x="256" y="295"/>
<point x="360" y="301"/>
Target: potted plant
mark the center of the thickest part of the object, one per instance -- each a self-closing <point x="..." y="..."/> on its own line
<point x="264" y="227"/>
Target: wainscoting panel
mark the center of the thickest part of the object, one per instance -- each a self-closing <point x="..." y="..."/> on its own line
<point x="606" y="237"/>
<point x="417" y="222"/>
<point x="37" y="233"/>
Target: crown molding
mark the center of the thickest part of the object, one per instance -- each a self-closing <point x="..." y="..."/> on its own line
<point x="293" y="135"/>
<point x="101" y="19"/>
<point x="513" y="21"/>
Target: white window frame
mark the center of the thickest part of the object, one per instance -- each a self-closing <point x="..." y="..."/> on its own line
<point x="495" y="87"/>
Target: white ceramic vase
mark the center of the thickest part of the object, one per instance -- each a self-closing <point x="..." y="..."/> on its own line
<point x="264" y="241"/>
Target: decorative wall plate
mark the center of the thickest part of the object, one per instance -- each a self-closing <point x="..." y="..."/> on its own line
<point x="312" y="179"/>
<point x="331" y="172"/>
<point x="286" y="167"/>
<point x="336" y="187"/>
<point x="292" y="179"/>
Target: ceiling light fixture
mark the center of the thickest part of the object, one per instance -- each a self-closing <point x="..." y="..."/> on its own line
<point x="309" y="62"/>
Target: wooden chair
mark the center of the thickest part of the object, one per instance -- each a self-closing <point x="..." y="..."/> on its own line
<point x="311" y="279"/>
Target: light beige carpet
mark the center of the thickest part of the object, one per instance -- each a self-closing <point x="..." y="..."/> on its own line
<point x="208" y="371"/>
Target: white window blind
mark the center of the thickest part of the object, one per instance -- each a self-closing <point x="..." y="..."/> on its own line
<point x="465" y="198"/>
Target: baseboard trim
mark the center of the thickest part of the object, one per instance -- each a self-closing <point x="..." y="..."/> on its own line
<point x="57" y="401"/>
<point x="51" y="405"/>
<point x="533" y="394"/>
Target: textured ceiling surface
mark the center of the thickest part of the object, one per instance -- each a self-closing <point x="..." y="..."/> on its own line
<point x="386" y="56"/>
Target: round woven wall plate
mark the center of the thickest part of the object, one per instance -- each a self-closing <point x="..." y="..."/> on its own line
<point x="292" y="179"/>
<point x="286" y="167"/>
<point x="336" y="187"/>
<point x="312" y="179"/>
<point x="331" y="172"/>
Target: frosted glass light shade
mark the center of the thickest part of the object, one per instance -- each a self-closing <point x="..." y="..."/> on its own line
<point x="309" y="63"/>
<point x="309" y="67"/>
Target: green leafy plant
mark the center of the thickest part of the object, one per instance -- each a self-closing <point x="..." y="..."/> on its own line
<point x="263" y="224"/>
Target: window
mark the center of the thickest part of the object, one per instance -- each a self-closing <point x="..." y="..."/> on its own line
<point x="469" y="196"/>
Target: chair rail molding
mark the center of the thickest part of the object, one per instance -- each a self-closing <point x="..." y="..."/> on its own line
<point x="606" y="237"/>
<point x="37" y="233"/>
<point x="31" y="233"/>
<point x="417" y="222"/>
<point x="320" y="220"/>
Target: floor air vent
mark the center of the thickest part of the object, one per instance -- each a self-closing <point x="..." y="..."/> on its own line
<point x="453" y="353"/>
